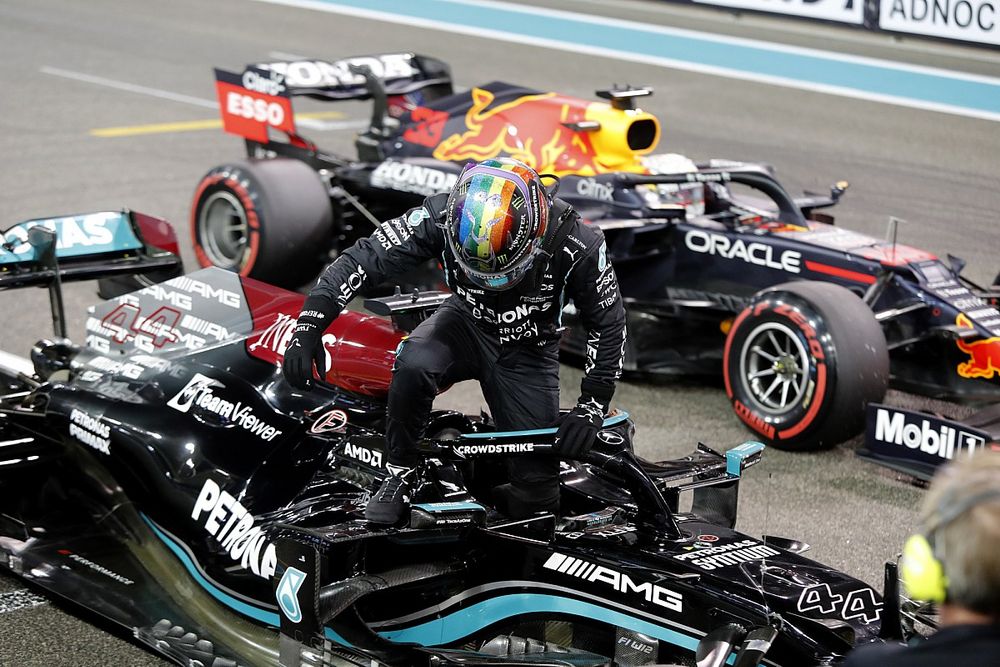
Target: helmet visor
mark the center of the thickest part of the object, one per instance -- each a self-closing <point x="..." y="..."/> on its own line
<point x="502" y="280"/>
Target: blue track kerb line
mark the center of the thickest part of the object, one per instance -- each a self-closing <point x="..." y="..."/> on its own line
<point x="878" y="80"/>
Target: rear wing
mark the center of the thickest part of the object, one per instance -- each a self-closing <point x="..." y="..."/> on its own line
<point x="84" y="247"/>
<point x="400" y="74"/>
<point x="50" y="251"/>
<point x="260" y="97"/>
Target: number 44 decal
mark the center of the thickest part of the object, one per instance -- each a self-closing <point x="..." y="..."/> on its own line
<point x="860" y="604"/>
<point x="125" y="322"/>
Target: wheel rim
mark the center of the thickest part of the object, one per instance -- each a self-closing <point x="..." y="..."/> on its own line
<point x="774" y="365"/>
<point x="223" y="230"/>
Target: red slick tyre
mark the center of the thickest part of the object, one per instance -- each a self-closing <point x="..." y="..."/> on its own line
<point x="266" y="219"/>
<point x="802" y="361"/>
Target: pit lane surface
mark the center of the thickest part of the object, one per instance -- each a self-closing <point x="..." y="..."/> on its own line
<point x="75" y="68"/>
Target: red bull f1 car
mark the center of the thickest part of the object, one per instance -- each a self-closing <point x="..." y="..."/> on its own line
<point x="164" y="476"/>
<point x="723" y="272"/>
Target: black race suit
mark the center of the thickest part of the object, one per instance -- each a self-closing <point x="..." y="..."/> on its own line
<point x="954" y="646"/>
<point x="507" y="340"/>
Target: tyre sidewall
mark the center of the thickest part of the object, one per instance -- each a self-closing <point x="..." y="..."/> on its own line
<point x="288" y="215"/>
<point x="244" y="187"/>
<point x="798" y="316"/>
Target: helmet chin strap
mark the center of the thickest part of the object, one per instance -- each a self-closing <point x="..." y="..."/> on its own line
<point x="557" y="232"/>
<point x="554" y="237"/>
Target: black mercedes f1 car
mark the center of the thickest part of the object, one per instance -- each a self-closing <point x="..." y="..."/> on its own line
<point x="723" y="272"/>
<point x="164" y="476"/>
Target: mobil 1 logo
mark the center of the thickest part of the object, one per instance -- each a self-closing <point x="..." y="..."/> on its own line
<point x="918" y="438"/>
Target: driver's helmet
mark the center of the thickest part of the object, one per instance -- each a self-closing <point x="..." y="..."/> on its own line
<point x="496" y="220"/>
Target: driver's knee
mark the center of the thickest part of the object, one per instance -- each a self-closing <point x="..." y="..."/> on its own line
<point x="519" y="501"/>
<point x="533" y="487"/>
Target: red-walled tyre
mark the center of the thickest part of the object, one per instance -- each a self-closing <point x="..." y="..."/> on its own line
<point x="266" y="219"/>
<point x="801" y="363"/>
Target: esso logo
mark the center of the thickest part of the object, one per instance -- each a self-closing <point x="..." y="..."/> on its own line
<point x="252" y="108"/>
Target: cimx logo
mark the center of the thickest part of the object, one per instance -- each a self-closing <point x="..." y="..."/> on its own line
<point x="196" y="386"/>
<point x="287" y="593"/>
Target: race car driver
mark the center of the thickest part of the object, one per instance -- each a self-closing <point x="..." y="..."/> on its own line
<point x="512" y="255"/>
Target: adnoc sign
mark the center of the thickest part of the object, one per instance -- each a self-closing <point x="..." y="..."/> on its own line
<point x="844" y="11"/>
<point x="968" y="20"/>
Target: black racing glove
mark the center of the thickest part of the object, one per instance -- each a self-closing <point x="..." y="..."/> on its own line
<point x="579" y="428"/>
<point x="306" y="346"/>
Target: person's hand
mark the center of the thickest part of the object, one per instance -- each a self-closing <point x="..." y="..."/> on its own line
<point x="300" y="355"/>
<point x="303" y="350"/>
<point x="578" y="429"/>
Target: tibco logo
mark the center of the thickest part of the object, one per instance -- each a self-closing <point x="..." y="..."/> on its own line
<point x="621" y="582"/>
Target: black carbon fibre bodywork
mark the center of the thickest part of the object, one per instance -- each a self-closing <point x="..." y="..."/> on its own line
<point x="191" y="497"/>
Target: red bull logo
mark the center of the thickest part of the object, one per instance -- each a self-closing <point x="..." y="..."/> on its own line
<point x="984" y="355"/>
<point x="539" y="131"/>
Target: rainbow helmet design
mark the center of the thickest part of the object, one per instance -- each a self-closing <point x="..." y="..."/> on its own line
<point x="497" y="216"/>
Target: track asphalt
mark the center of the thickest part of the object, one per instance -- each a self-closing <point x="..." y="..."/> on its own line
<point x="77" y="76"/>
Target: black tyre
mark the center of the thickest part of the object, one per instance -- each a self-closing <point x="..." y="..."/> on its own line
<point x="266" y="219"/>
<point x="801" y="363"/>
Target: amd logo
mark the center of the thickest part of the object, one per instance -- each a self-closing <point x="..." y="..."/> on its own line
<point x="367" y="456"/>
<point x="941" y="440"/>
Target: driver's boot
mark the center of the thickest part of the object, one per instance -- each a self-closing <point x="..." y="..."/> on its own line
<point x="391" y="502"/>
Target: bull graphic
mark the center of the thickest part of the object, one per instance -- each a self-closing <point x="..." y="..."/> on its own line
<point x="984" y="355"/>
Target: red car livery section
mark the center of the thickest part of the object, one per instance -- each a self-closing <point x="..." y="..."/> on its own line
<point x="252" y="102"/>
<point x="360" y="349"/>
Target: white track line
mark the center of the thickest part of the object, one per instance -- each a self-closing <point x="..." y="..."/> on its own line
<point x="130" y="87"/>
<point x="311" y="123"/>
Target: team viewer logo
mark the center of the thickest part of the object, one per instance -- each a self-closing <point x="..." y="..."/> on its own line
<point x="196" y="387"/>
